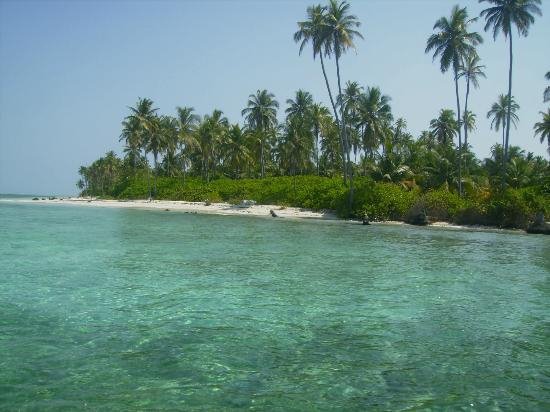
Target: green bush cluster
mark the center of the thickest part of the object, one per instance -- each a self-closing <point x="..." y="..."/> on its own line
<point x="378" y="200"/>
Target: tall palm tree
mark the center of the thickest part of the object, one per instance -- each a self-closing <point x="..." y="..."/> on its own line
<point x="452" y="43"/>
<point x="261" y="114"/>
<point x="472" y="71"/>
<point x="445" y="127"/>
<point x="543" y="128"/>
<point x="500" y="17"/>
<point x="314" y="31"/>
<point x="499" y="115"/>
<point x="340" y="33"/>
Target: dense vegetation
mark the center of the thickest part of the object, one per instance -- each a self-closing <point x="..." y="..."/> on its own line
<point x="353" y="157"/>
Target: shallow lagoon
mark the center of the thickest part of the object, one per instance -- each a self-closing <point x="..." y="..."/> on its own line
<point x="128" y="309"/>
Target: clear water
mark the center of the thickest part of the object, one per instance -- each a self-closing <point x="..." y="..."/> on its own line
<point x="125" y="309"/>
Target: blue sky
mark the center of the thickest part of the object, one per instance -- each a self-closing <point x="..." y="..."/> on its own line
<point x="69" y="69"/>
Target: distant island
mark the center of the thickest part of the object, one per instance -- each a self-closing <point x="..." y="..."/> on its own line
<point x="352" y="157"/>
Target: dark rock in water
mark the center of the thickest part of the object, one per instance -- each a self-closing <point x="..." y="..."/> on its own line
<point x="272" y="212"/>
<point x="419" y="219"/>
<point x="539" y="226"/>
<point x="34" y="198"/>
<point x="166" y="210"/>
<point x="43" y="198"/>
<point x="52" y="198"/>
<point x="366" y="220"/>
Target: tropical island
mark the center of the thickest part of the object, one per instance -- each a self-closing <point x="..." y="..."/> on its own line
<point x="352" y="157"/>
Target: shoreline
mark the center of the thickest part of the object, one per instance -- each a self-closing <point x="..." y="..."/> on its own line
<point x="226" y="209"/>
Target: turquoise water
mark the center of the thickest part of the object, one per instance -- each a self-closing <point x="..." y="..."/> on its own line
<point x="115" y="309"/>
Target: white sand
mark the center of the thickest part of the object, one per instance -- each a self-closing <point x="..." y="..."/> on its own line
<point x="197" y="207"/>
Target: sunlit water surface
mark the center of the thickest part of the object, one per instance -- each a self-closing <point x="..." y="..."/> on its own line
<point x="117" y="309"/>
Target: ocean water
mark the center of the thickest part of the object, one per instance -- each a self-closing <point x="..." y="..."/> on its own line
<point x="117" y="309"/>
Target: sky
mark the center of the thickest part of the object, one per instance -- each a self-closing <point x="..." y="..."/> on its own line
<point x="70" y="69"/>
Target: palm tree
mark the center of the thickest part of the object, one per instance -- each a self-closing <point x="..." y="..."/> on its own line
<point x="211" y="133"/>
<point x="300" y="107"/>
<point x="261" y="114"/>
<point x="547" y="90"/>
<point x="453" y="43"/>
<point x="445" y="127"/>
<point x="161" y="130"/>
<point x="132" y="136"/>
<point x="469" y="120"/>
<point x="472" y="71"/>
<point x="374" y="117"/>
<point x="543" y="128"/>
<point x="144" y="114"/>
<point x="187" y="126"/>
<point x="340" y="33"/>
<point x="318" y="112"/>
<point x="314" y="30"/>
<point x="235" y="151"/>
<point x="499" y="115"/>
<point x="501" y="16"/>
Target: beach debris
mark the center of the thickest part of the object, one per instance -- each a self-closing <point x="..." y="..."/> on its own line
<point x="207" y="202"/>
<point x="539" y="226"/>
<point x="272" y="213"/>
<point x="52" y="198"/>
<point x="247" y="203"/>
<point x="43" y="198"/>
<point x="166" y="210"/>
<point x="34" y="198"/>
<point x="366" y="220"/>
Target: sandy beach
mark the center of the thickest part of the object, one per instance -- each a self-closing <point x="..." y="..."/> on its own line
<point x="237" y="210"/>
<point x="196" y="207"/>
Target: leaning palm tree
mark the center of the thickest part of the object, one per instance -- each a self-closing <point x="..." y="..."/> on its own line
<point x="499" y="115"/>
<point x="314" y="31"/>
<point x="340" y="33"/>
<point x="452" y="43"/>
<point x="542" y="128"/>
<point x="261" y="115"/>
<point x="500" y="17"/>
<point x="472" y="71"/>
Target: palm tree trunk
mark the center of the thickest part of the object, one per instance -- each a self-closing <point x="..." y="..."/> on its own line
<point x="459" y="132"/>
<point x="342" y="147"/>
<point x="347" y="160"/>
<point x="148" y="176"/>
<point x="466" y="111"/>
<point x="155" y="154"/>
<point x="509" y="109"/>
<point x="317" y="148"/>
